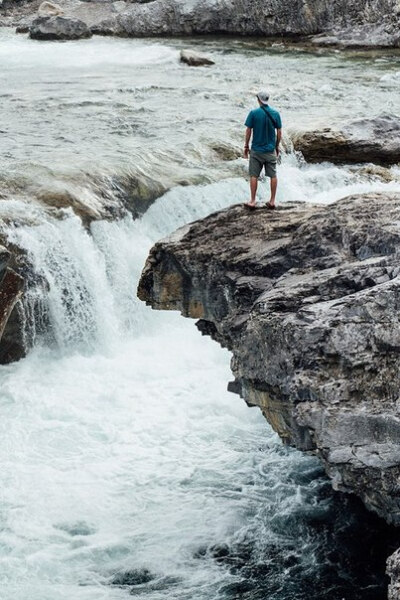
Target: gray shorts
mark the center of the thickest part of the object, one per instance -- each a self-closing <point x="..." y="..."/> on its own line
<point x="258" y="160"/>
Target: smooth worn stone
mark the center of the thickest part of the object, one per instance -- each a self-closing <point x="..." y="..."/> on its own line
<point x="307" y="299"/>
<point x="193" y="59"/>
<point x="374" y="140"/>
<point x="58" y="28"/>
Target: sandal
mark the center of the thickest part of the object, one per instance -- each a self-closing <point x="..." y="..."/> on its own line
<point x="270" y="206"/>
<point x="249" y="206"/>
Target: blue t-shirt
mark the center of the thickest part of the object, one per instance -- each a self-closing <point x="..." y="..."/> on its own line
<point x="264" y="136"/>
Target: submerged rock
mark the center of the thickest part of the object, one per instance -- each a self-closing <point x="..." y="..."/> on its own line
<point x="193" y="59"/>
<point x="308" y="300"/>
<point x="58" y="28"/>
<point x="364" y="140"/>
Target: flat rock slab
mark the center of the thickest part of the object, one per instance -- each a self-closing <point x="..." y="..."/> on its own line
<point x="374" y="140"/>
<point x="58" y="28"/>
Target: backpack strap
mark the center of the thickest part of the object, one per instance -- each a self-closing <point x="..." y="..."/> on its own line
<point x="270" y="117"/>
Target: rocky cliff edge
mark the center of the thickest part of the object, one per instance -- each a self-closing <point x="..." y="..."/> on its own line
<point x="307" y="299"/>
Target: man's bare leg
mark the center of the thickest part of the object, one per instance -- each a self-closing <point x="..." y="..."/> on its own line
<point x="253" y="190"/>
<point x="274" y="185"/>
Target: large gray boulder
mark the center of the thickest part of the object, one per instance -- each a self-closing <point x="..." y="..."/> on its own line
<point x="308" y="301"/>
<point x="58" y="28"/>
<point x="375" y="140"/>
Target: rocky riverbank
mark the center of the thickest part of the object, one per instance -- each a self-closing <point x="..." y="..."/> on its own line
<point x="340" y="23"/>
<point x="307" y="299"/>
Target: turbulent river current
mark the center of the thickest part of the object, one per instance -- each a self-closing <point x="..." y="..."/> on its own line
<point x="126" y="467"/>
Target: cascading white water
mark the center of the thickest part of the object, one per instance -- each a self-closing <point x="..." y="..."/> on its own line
<point x="127" y="461"/>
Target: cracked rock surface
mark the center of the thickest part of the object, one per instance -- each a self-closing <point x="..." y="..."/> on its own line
<point x="307" y="298"/>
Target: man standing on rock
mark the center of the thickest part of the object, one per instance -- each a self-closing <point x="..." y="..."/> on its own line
<point x="262" y="123"/>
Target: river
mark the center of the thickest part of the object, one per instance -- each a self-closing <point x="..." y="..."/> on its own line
<point x="127" y="468"/>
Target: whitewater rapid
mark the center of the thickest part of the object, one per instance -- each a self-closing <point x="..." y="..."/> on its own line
<point x="124" y="452"/>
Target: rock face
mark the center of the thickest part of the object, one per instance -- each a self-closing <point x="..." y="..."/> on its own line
<point x="11" y="288"/>
<point x="365" y="23"/>
<point x="58" y="28"/>
<point x="308" y="301"/>
<point x="258" y="17"/>
<point x="364" y="140"/>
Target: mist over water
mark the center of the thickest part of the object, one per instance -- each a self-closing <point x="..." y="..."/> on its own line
<point x="127" y="467"/>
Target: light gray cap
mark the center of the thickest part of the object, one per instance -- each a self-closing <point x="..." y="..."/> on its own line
<point x="263" y="97"/>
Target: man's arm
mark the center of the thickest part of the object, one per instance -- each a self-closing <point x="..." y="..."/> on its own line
<point x="278" y="140"/>
<point x="247" y="142"/>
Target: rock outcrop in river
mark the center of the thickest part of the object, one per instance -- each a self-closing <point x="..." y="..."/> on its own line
<point x="308" y="300"/>
<point x="363" y="140"/>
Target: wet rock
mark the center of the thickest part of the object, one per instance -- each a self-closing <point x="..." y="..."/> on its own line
<point x="393" y="570"/>
<point x="307" y="299"/>
<point x="374" y="140"/>
<point x="49" y="9"/>
<point x="226" y="151"/>
<point x="377" y="172"/>
<point x="11" y="288"/>
<point x="194" y="59"/>
<point x="362" y="36"/>
<point x="363" y="140"/>
<point x="133" y="577"/>
<point x="22" y="29"/>
<point x="58" y="28"/>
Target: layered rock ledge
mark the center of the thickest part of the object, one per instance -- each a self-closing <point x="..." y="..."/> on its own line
<point x="374" y="140"/>
<point x="307" y="299"/>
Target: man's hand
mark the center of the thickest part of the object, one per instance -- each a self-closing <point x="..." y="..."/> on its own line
<point x="246" y="152"/>
<point x="277" y="150"/>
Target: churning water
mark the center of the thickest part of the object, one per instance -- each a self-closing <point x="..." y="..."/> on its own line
<point x="127" y="469"/>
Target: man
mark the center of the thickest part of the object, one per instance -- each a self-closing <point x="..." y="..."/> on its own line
<point x="262" y="123"/>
